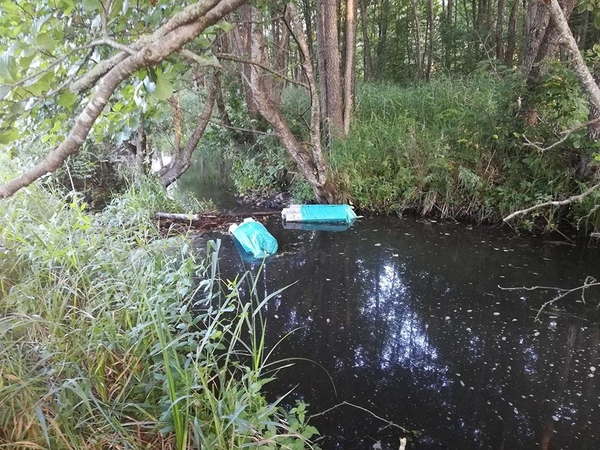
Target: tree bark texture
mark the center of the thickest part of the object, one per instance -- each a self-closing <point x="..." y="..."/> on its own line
<point x="329" y="65"/>
<point x="184" y="27"/>
<point x="417" y="33"/>
<point x="590" y="87"/>
<point x="500" y="30"/>
<point x="430" y="38"/>
<point x="367" y="58"/>
<point x="542" y="36"/>
<point x="349" y="71"/>
<point x="511" y="43"/>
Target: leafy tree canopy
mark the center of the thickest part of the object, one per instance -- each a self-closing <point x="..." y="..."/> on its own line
<point x="52" y="51"/>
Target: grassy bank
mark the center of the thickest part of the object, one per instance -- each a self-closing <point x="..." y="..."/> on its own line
<point x="457" y="148"/>
<point x="113" y="338"/>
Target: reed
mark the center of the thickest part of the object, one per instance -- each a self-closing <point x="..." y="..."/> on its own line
<point x="111" y="337"/>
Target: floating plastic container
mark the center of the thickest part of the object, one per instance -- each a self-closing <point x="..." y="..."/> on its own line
<point x="254" y="238"/>
<point x="319" y="214"/>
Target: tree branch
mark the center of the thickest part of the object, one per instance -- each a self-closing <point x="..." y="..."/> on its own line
<point x="189" y="14"/>
<point x="566" y="134"/>
<point x="575" y="198"/>
<point x="264" y="67"/>
<point x="150" y="55"/>
<point x="561" y="292"/>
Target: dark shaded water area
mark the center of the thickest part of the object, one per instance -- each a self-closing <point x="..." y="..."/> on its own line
<point x="403" y="323"/>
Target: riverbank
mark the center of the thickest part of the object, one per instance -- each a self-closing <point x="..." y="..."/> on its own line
<point x="112" y="337"/>
<point x="455" y="149"/>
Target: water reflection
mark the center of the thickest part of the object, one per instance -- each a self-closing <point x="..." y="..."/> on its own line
<point x="406" y="320"/>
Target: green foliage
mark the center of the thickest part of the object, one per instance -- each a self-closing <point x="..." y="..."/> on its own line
<point x="454" y="148"/>
<point x="112" y="338"/>
<point x="261" y="169"/>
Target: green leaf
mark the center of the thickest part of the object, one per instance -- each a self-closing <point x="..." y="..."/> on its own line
<point x="225" y="26"/>
<point x="309" y="432"/>
<point x="67" y="99"/>
<point x="7" y="67"/>
<point x="91" y="5"/>
<point x="9" y="136"/>
<point x="4" y="91"/>
<point x="164" y="88"/>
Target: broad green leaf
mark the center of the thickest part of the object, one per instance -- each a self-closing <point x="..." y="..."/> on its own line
<point x="4" y="91"/>
<point x="9" y="136"/>
<point x="91" y="5"/>
<point x="67" y="99"/>
<point x="7" y="67"/>
<point x="225" y="26"/>
<point x="164" y="88"/>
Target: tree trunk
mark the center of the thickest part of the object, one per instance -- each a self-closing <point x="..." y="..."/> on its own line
<point x="430" y="37"/>
<point x="593" y="130"/>
<point x="329" y="66"/>
<point x="309" y="158"/>
<point x="382" y="43"/>
<point x="500" y="30"/>
<point x="590" y="87"/>
<point x="349" y="71"/>
<point x="247" y="15"/>
<point x="512" y="34"/>
<point x="367" y="59"/>
<point x="418" y="49"/>
<point x="182" y="160"/>
<point x="141" y="150"/>
<point x="448" y="40"/>
<point x="307" y="12"/>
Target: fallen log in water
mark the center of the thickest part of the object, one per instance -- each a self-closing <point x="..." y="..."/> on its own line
<point x="199" y="217"/>
<point x="172" y="222"/>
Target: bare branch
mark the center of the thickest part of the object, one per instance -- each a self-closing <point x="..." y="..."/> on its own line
<point x="345" y="403"/>
<point x="566" y="134"/>
<point x="575" y="198"/>
<point x="562" y="293"/>
<point x="264" y="67"/>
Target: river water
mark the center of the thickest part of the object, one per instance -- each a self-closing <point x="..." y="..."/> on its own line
<point x="402" y="328"/>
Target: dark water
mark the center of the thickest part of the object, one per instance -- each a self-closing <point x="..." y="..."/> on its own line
<point x="407" y="326"/>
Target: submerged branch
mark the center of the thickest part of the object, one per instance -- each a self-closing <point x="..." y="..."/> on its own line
<point x="345" y="403"/>
<point x="562" y="292"/>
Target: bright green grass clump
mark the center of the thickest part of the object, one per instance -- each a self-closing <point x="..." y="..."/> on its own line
<point x="113" y="338"/>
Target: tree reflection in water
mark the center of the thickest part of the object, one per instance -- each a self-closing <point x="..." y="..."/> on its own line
<point x="406" y="319"/>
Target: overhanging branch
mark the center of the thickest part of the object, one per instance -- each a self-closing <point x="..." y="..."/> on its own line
<point x="151" y="54"/>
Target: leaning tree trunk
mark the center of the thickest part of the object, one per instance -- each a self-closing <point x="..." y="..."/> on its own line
<point x="308" y="157"/>
<point x="182" y="159"/>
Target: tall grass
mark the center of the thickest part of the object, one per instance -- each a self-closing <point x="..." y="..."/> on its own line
<point x="113" y="338"/>
<point x="451" y="147"/>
